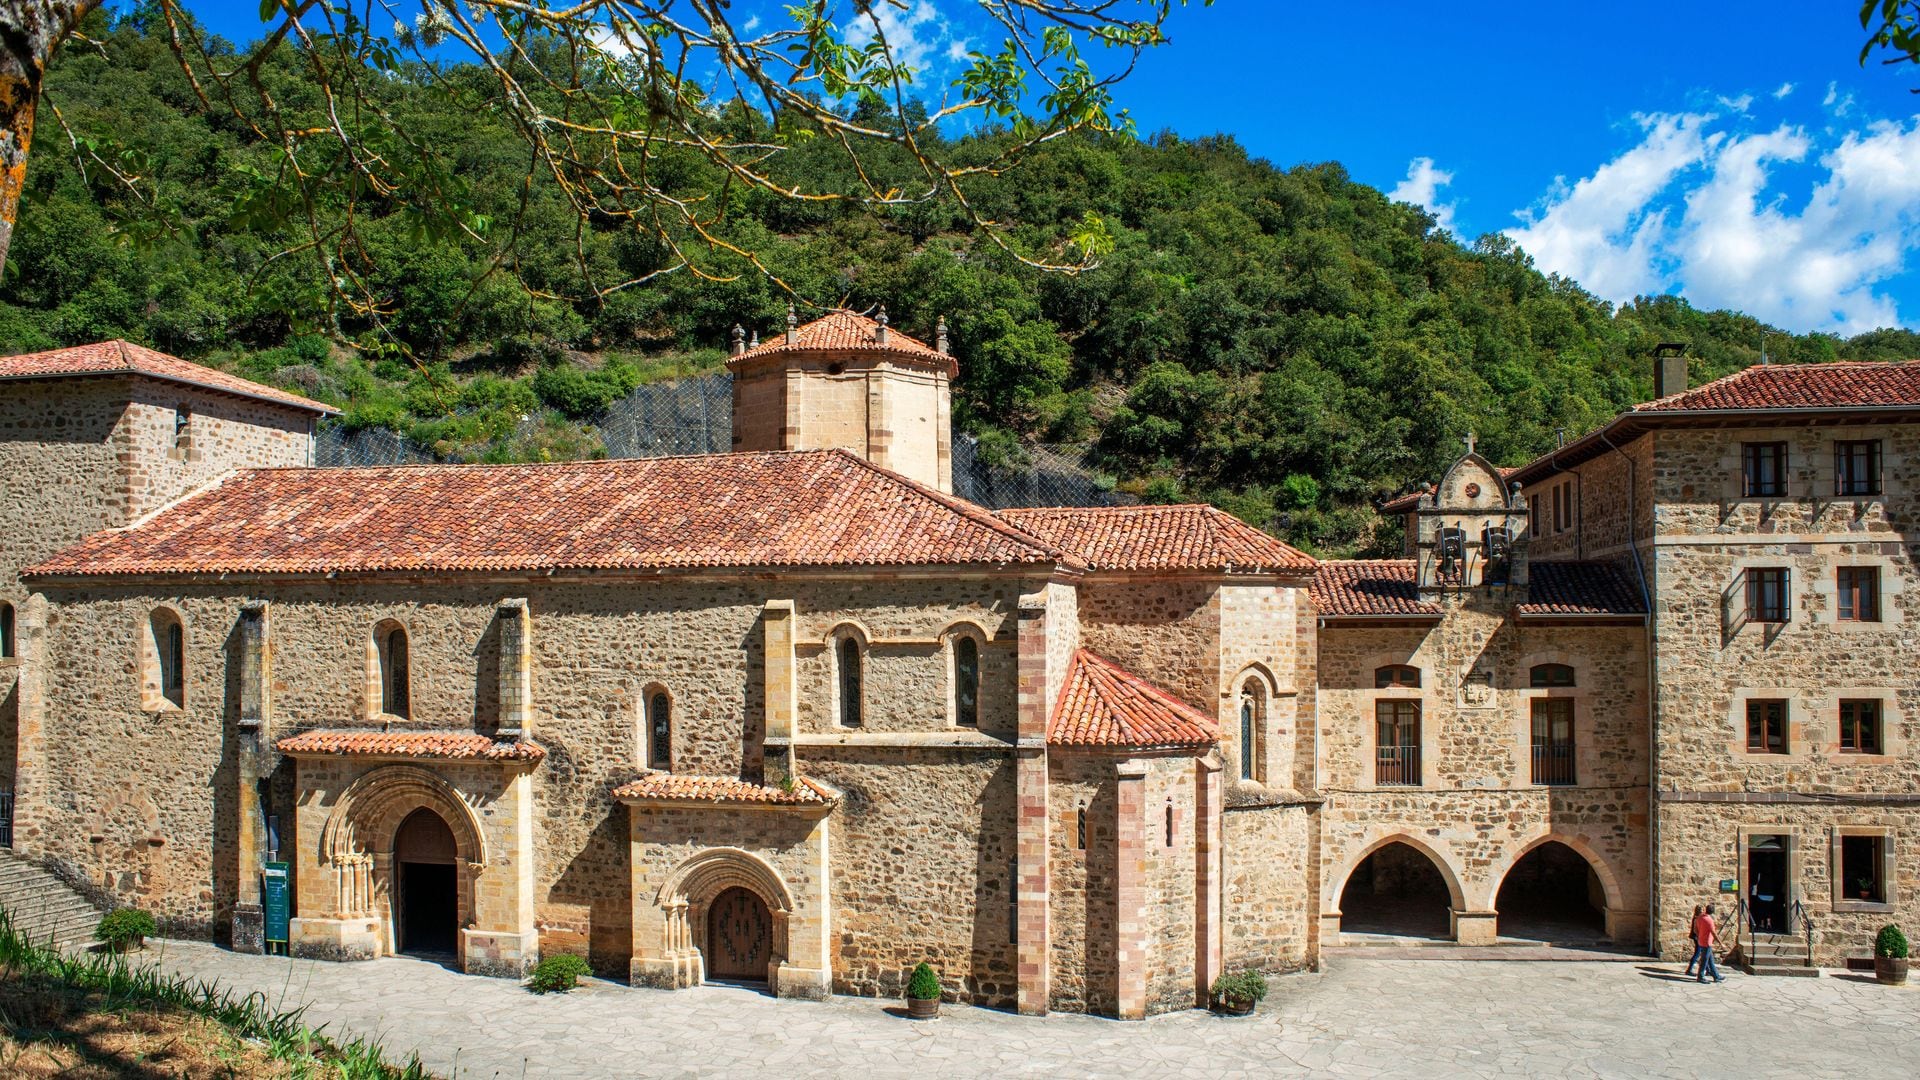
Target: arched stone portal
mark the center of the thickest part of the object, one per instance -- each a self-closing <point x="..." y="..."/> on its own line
<point x="734" y="905"/>
<point x="1398" y="890"/>
<point x="427" y="901"/>
<point x="1552" y="893"/>
<point x="739" y="940"/>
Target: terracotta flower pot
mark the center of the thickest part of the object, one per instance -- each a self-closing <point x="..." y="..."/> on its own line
<point x="923" y="1008"/>
<point x="1891" y="970"/>
<point x="1233" y="1007"/>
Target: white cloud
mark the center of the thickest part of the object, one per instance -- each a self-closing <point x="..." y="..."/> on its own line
<point x="1838" y="102"/>
<point x="912" y="33"/>
<point x="1422" y="188"/>
<point x="1702" y="212"/>
<point x="1785" y="89"/>
<point x="1737" y="104"/>
<point x="1604" y="231"/>
<point x="752" y="24"/>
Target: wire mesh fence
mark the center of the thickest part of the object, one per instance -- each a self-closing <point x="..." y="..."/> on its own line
<point x="695" y="416"/>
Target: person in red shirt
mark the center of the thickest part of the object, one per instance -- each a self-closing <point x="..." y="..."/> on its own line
<point x="1703" y="931"/>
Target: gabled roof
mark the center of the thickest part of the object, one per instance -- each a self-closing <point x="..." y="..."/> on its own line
<point x="1838" y="385"/>
<point x="1159" y="538"/>
<point x="125" y="358"/>
<point x="1104" y="706"/>
<point x="1763" y="391"/>
<point x="1410" y="501"/>
<point x="816" y="508"/>
<point x="845" y="331"/>
<point x="440" y="745"/>
<point x="1580" y="588"/>
<point x="1377" y="588"/>
<point x="681" y="787"/>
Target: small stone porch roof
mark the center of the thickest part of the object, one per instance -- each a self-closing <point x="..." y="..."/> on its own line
<point x="118" y="357"/>
<point x="436" y="745"/>
<point x="723" y="790"/>
<point x="1102" y="706"/>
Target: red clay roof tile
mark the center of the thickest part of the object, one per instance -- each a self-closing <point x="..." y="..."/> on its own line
<point x="842" y="331"/>
<point x="444" y="745"/>
<point x="1369" y="587"/>
<point x="1102" y="705"/>
<point x="125" y="358"/>
<point x="771" y="509"/>
<point x="1580" y="588"/>
<point x="1839" y="385"/>
<point x="677" y="787"/>
<point x="1149" y="538"/>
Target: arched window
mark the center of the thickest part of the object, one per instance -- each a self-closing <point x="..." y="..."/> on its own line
<point x="390" y="642"/>
<point x="1253" y="722"/>
<point x="6" y="632"/>
<point x="164" y="670"/>
<point x="966" y="681"/>
<point x="659" y="731"/>
<point x="1396" y="676"/>
<point x="850" y="704"/>
<point x="1544" y="676"/>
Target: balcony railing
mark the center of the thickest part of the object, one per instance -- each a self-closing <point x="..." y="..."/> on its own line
<point x="1397" y="766"/>
<point x="1553" y="763"/>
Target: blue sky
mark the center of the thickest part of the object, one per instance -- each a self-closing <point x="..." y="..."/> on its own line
<point x="1736" y="154"/>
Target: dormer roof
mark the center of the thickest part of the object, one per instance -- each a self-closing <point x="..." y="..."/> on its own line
<point x="842" y="331"/>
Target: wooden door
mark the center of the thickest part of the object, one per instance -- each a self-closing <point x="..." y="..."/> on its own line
<point x="739" y="937"/>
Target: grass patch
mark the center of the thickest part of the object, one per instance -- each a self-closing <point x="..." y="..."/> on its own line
<point x="96" y="1015"/>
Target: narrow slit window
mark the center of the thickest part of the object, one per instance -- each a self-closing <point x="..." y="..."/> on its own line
<point x="395" y="686"/>
<point x="7" y="646"/>
<point x="1080" y="829"/>
<point x="966" y="682"/>
<point x="850" y="704"/>
<point x="1169" y="824"/>
<point x="659" y="731"/>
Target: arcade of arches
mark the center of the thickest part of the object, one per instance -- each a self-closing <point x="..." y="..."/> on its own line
<point x="1550" y="894"/>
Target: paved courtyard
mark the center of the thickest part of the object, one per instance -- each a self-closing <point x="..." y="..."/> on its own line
<point x="1361" y="1017"/>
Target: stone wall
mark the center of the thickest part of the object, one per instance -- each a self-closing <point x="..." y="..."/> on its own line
<point x="1613" y="504"/>
<point x="1269" y="888"/>
<point x="1081" y="901"/>
<point x="1172" y="901"/>
<point x="1165" y="631"/>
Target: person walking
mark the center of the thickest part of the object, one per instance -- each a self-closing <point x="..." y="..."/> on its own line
<point x="1693" y="955"/>
<point x="1703" y="933"/>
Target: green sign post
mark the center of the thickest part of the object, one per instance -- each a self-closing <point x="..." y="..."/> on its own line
<point x="277" y="898"/>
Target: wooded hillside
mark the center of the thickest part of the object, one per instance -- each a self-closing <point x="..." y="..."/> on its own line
<point x="1283" y="342"/>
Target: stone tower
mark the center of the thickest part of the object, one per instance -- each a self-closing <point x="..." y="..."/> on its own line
<point x="851" y="382"/>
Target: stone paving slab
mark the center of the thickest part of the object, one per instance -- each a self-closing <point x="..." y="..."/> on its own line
<point x="1361" y="1017"/>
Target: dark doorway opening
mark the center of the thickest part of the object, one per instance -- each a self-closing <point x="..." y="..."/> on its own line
<point x="1553" y="895"/>
<point x="1396" y="891"/>
<point x="1767" y="883"/>
<point x="739" y="937"/>
<point x="427" y="905"/>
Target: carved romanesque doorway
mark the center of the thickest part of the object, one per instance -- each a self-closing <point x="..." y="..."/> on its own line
<point x="739" y="937"/>
<point x="1397" y="892"/>
<point x="1552" y="895"/>
<point x="427" y="904"/>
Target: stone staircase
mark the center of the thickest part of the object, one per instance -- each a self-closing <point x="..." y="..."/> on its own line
<point x="44" y="908"/>
<point x="1776" y="954"/>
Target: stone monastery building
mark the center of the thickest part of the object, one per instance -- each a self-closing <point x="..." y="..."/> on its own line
<point x="798" y="715"/>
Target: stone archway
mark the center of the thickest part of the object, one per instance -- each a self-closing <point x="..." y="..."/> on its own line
<point x="1396" y="886"/>
<point x="1557" y="888"/>
<point x="690" y="896"/>
<point x="357" y="846"/>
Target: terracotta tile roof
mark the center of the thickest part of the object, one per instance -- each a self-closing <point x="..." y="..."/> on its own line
<point x="1409" y="502"/>
<point x="1839" y="385"/>
<point x="447" y="745"/>
<point x="841" y="331"/>
<point x="676" y="787"/>
<point x="1368" y="587"/>
<point x="125" y="358"/>
<point x="772" y="509"/>
<point x="1160" y="538"/>
<point x="1580" y="588"/>
<point x="1104" y="705"/>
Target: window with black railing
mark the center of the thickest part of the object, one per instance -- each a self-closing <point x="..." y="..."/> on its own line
<point x="1397" y="749"/>
<point x="1856" y="467"/>
<point x="1553" y="758"/>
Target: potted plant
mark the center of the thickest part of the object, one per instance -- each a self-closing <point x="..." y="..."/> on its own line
<point x="124" y="929"/>
<point x="923" y="993"/>
<point x="1890" y="956"/>
<point x="1238" y="993"/>
<point x="1863" y="888"/>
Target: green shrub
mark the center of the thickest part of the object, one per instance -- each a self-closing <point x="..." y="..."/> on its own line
<point x="923" y="984"/>
<point x="123" y="927"/>
<point x="558" y="974"/>
<point x="1240" y="988"/>
<point x="1890" y="942"/>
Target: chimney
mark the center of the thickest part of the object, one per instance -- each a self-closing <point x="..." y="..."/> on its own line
<point x="940" y="337"/>
<point x="1669" y="368"/>
<point x="739" y="341"/>
<point x="880" y="333"/>
<point x="793" y="321"/>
